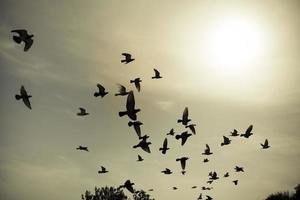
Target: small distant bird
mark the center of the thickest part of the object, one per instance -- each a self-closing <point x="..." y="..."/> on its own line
<point x="165" y="147"/>
<point x="157" y="74"/>
<point x="248" y="133"/>
<point x="175" y="188"/>
<point x="167" y="171"/>
<point x="208" y="197"/>
<point x="200" y="196"/>
<point x="194" y="187"/>
<point x="226" y="141"/>
<point x="130" y="106"/>
<point x="234" y="133"/>
<point x="137" y="84"/>
<point x="213" y="176"/>
<point x="266" y="144"/>
<point x="183" y="163"/>
<point x="183" y="136"/>
<point x="150" y="190"/>
<point x="207" y="150"/>
<point x="235" y="182"/>
<point x="82" y="148"/>
<point x="226" y="175"/>
<point x="210" y="181"/>
<point x="23" y="36"/>
<point x="82" y="112"/>
<point x="128" y="58"/>
<point x="206" y="188"/>
<point x="128" y="185"/>
<point x="140" y="159"/>
<point x="205" y="160"/>
<point x="122" y="91"/>
<point x="172" y="132"/>
<point x="101" y="91"/>
<point x="103" y="170"/>
<point x="239" y="169"/>
<point x="137" y="127"/>
<point x="185" y="117"/>
<point x="24" y="96"/>
<point x="144" y="145"/>
<point x="192" y="128"/>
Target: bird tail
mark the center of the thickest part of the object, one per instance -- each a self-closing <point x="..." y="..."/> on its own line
<point x="17" y="39"/>
<point x="96" y="94"/>
<point x="18" y="97"/>
<point x="121" y="114"/>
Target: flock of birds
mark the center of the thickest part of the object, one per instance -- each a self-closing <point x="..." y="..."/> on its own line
<point x="131" y="112"/>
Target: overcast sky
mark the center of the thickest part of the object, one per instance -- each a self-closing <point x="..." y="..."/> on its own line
<point x="78" y="44"/>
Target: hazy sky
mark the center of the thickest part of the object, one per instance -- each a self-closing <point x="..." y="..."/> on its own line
<point x="78" y="44"/>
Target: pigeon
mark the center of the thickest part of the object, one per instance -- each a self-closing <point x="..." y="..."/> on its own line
<point x="235" y="182"/>
<point x="140" y="159"/>
<point x="24" y="96"/>
<point x="144" y="145"/>
<point x="130" y="104"/>
<point x="208" y="197"/>
<point x="101" y="91"/>
<point x="194" y="187"/>
<point x="226" y="141"/>
<point x="185" y="116"/>
<point x="82" y="148"/>
<point x="128" y="185"/>
<point x="200" y="196"/>
<point x="171" y="132"/>
<point x="226" y="175"/>
<point x="192" y="128"/>
<point x="248" y="133"/>
<point x="239" y="169"/>
<point x="137" y="127"/>
<point x="213" y="176"/>
<point x="122" y="91"/>
<point x="128" y="58"/>
<point x="183" y="136"/>
<point x="23" y="36"/>
<point x="157" y="74"/>
<point x="167" y="171"/>
<point x="165" y="147"/>
<point x="234" y="133"/>
<point x="82" y="112"/>
<point x="183" y="163"/>
<point x="137" y="84"/>
<point x="266" y="144"/>
<point x="103" y="170"/>
<point x="205" y="160"/>
<point x="207" y="151"/>
<point x="175" y="188"/>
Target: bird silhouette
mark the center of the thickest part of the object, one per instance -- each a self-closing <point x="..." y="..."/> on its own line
<point x="200" y="196"/>
<point x="122" y="91"/>
<point x="150" y="190"/>
<point x="183" y="163"/>
<point x="23" y="36"/>
<point x="128" y="185"/>
<point x="239" y="169"/>
<point x="206" y="188"/>
<point x="226" y="141"/>
<point x="165" y="147"/>
<point x="248" y="133"/>
<point x="130" y="106"/>
<point x="137" y="84"/>
<point x="24" y="96"/>
<point x="183" y="136"/>
<point x="185" y="117"/>
<point x="128" y="58"/>
<point x="209" y="181"/>
<point x="82" y="112"/>
<point x="82" y="148"/>
<point x="226" y="175"/>
<point x="205" y="160"/>
<point x="234" y="133"/>
<point x="175" y="188"/>
<point x="144" y="145"/>
<point x="207" y="150"/>
<point x="208" y="197"/>
<point x="213" y="176"/>
<point x="235" y="182"/>
<point x="192" y="128"/>
<point x="194" y="187"/>
<point x="265" y="145"/>
<point x="137" y="127"/>
<point x="157" y="74"/>
<point x="171" y="132"/>
<point x="167" y="171"/>
<point x="140" y="159"/>
<point x="103" y="170"/>
<point x="101" y="91"/>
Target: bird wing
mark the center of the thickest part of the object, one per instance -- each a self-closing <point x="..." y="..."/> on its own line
<point x="122" y="89"/>
<point x="82" y="110"/>
<point x="137" y="130"/>
<point x="130" y="101"/>
<point x="137" y="85"/>
<point x="146" y="147"/>
<point x="27" y="102"/>
<point x="193" y="129"/>
<point x="249" y="129"/>
<point x="21" y="32"/>
<point x="185" y="114"/>
<point x="266" y="142"/>
<point x="127" y="56"/>
<point x="101" y="88"/>
<point x="28" y="44"/>
<point x="165" y="144"/>
<point x="157" y="74"/>
<point x="182" y="162"/>
<point x="23" y="91"/>
<point x="140" y="157"/>
<point x="207" y="147"/>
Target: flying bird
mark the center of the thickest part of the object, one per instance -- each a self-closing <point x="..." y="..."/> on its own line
<point x="208" y="197"/>
<point x="248" y="133"/>
<point x="200" y="196"/>
<point x="24" y="96"/>
<point x="213" y="176"/>
<point x="194" y="187"/>
<point x="82" y="148"/>
<point x="209" y="181"/>
<point x="192" y="128"/>
<point x="128" y="185"/>
<point x="82" y="112"/>
<point x="239" y="169"/>
<point x="101" y="91"/>
<point x="144" y="145"/>
<point x="172" y="132"/>
<point x="122" y="91"/>
<point x="234" y="133"/>
<point x="23" y="36"/>
<point x="265" y="145"/>
<point x="167" y="171"/>
<point x="226" y="141"/>
<point x="140" y="159"/>
<point x="206" y="188"/>
<point x="205" y="160"/>
<point x="207" y="150"/>
<point x="226" y="175"/>
<point x="137" y="84"/>
<point x="175" y="188"/>
<point x="157" y="74"/>
<point x="165" y="147"/>
<point x="235" y="182"/>
<point x="150" y="190"/>
<point x="103" y="170"/>
<point x="130" y="106"/>
<point x="183" y="136"/>
<point x="185" y="117"/>
<point x="137" y="127"/>
<point x="183" y="163"/>
<point x="128" y="58"/>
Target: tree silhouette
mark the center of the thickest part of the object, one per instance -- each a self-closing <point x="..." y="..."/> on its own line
<point x="286" y="195"/>
<point x="141" y="195"/>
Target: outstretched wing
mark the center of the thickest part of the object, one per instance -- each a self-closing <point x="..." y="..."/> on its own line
<point x="101" y="88"/>
<point x="137" y="85"/>
<point x="23" y="91"/>
<point x="28" y="44"/>
<point x="157" y="74"/>
<point x="122" y="89"/>
<point x="266" y="142"/>
<point x="165" y="144"/>
<point x="27" y="102"/>
<point x="182" y="162"/>
<point x="82" y="110"/>
<point x="127" y="56"/>
<point x="130" y="102"/>
<point x="21" y="32"/>
<point x="249" y="129"/>
<point x="146" y="148"/>
<point x="185" y="114"/>
<point x="207" y="147"/>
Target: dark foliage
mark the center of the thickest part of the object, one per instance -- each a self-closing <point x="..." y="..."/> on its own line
<point x="286" y="195"/>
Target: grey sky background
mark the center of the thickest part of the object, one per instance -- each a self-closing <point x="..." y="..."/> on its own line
<point x="78" y="44"/>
